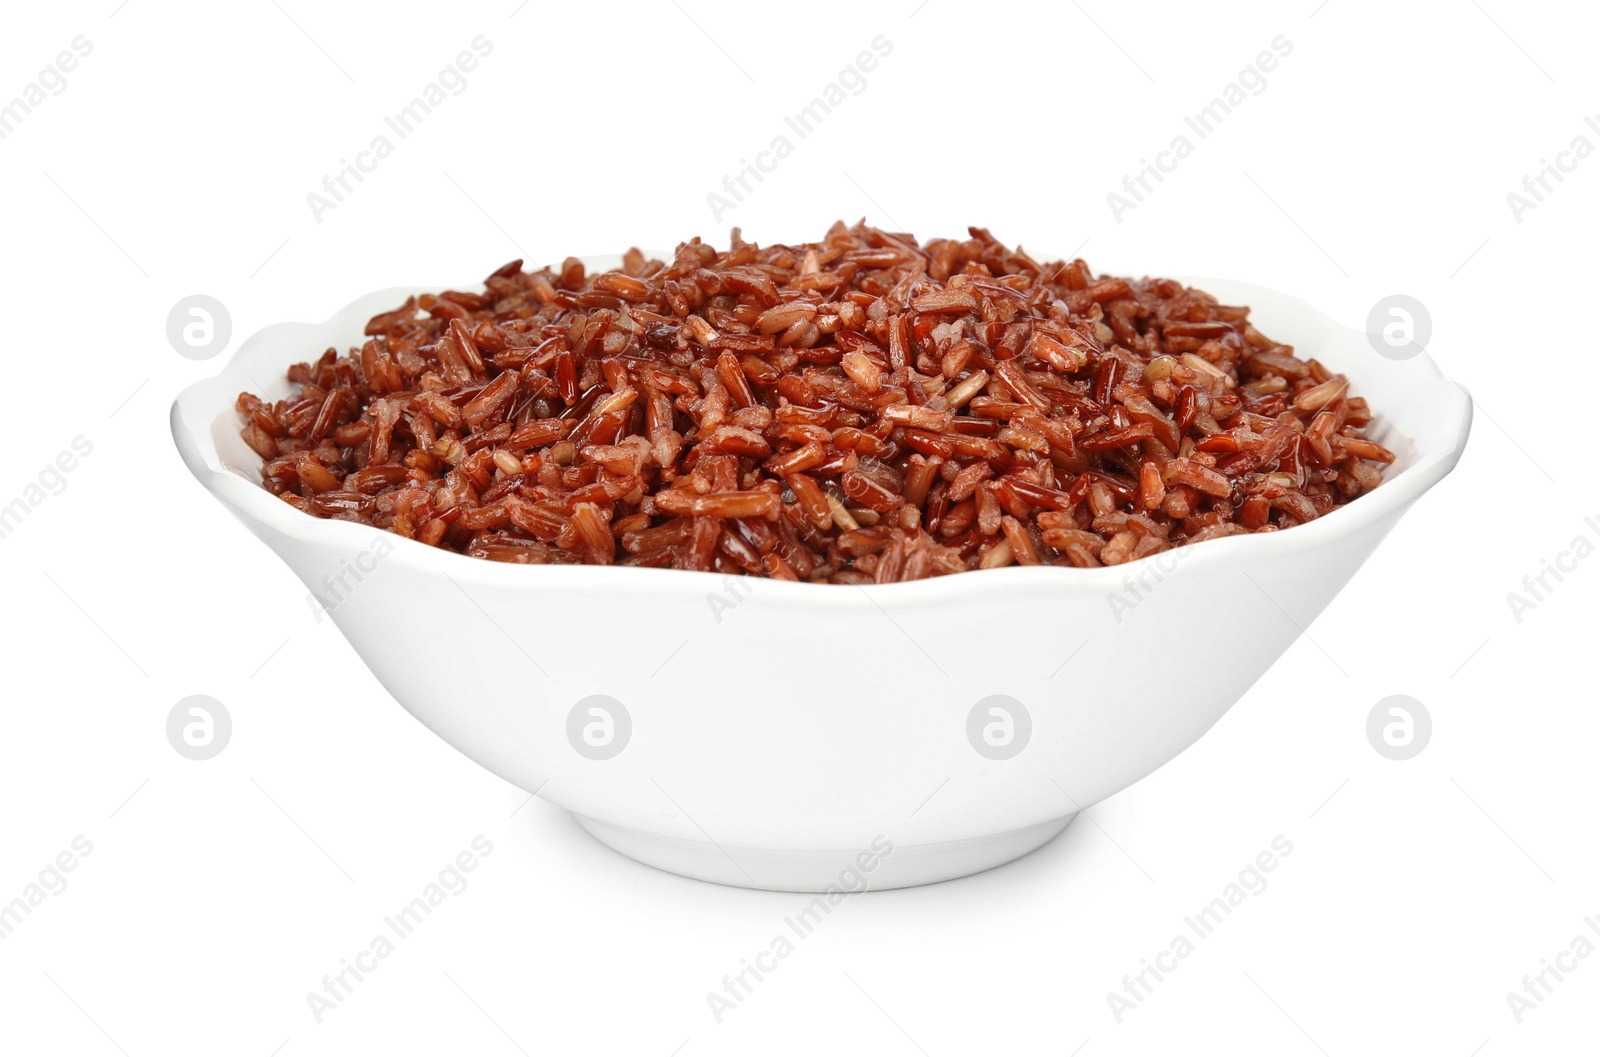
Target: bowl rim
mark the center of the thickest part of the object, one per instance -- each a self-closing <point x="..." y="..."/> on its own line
<point x="198" y="407"/>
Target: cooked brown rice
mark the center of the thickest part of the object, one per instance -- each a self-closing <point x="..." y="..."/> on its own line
<point x="859" y="409"/>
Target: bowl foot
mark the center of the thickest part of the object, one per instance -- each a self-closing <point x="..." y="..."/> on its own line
<point x="790" y="870"/>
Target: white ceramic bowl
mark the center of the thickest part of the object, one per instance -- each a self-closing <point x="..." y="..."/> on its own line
<point x="796" y="736"/>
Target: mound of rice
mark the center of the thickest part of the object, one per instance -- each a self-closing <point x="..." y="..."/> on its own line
<point x="859" y="409"/>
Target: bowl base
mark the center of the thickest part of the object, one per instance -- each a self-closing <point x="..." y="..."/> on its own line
<point x="790" y="870"/>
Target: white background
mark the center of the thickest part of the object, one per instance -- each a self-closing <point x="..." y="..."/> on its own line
<point x="1377" y="160"/>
